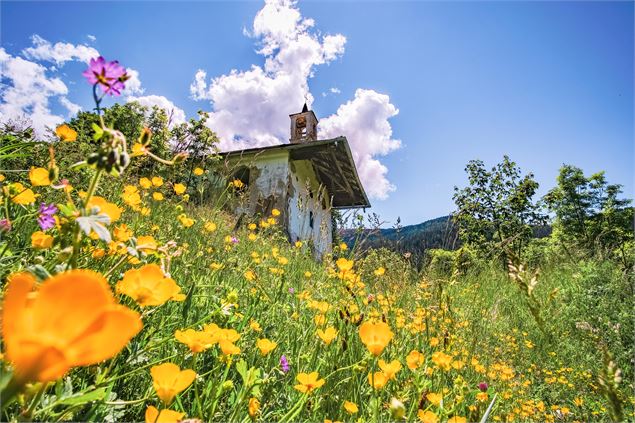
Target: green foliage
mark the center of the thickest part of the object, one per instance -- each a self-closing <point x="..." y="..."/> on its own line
<point x="590" y="218"/>
<point x="496" y="210"/>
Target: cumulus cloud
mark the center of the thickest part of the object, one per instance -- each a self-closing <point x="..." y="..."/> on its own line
<point x="364" y="122"/>
<point x="59" y="53"/>
<point x="175" y="114"/>
<point x="30" y="89"/>
<point x="26" y="89"/>
<point x="250" y="108"/>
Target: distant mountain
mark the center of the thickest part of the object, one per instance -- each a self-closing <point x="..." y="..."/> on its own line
<point x="416" y="239"/>
<point x="413" y="239"/>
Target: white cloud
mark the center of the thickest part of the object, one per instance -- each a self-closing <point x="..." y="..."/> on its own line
<point x="59" y="53"/>
<point x="72" y="108"/>
<point x="91" y="37"/>
<point x="26" y="92"/>
<point x="175" y="114"/>
<point x="133" y="85"/>
<point x="334" y="90"/>
<point x="364" y="122"/>
<point x="250" y="107"/>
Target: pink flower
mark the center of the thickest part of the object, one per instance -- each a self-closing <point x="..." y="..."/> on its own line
<point x="109" y="75"/>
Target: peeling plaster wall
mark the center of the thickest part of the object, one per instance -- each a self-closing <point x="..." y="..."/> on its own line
<point x="307" y="201"/>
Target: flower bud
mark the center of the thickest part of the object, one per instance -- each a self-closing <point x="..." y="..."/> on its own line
<point x="144" y="138"/>
<point x="397" y="409"/>
<point x="180" y="158"/>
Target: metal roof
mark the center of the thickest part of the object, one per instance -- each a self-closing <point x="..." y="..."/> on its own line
<point x="333" y="165"/>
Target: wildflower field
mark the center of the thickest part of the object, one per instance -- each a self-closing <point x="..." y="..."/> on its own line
<point x="129" y="294"/>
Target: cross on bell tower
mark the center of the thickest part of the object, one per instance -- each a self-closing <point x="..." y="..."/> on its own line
<point x="303" y="126"/>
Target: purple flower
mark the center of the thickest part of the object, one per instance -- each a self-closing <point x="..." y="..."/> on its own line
<point x="284" y="364"/>
<point x="109" y="75"/>
<point x="291" y="291"/>
<point x="482" y="386"/>
<point x="45" y="219"/>
<point x="235" y="240"/>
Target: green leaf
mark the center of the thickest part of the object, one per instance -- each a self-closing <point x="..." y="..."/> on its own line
<point x="99" y="132"/>
<point x="96" y="395"/>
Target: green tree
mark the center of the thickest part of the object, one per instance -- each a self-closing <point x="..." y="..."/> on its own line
<point x="589" y="215"/>
<point x="496" y="211"/>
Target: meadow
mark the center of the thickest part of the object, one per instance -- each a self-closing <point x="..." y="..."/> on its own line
<point x="126" y="297"/>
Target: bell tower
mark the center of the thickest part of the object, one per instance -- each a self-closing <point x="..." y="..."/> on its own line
<point x="303" y="126"/>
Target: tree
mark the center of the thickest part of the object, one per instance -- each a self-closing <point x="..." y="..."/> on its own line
<point x="589" y="213"/>
<point x="496" y="211"/>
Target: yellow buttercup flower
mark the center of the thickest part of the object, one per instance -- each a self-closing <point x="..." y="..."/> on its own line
<point x="377" y="380"/>
<point x="111" y="210"/>
<point x="343" y="246"/>
<point x="327" y="335"/>
<point x="308" y="382"/>
<point x="131" y="196"/>
<point x="157" y="196"/>
<point x="47" y="331"/>
<point x="427" y="416"/>
<point x="275" y="212"/>
<point x="254" y="407"/>
<point x="186" y="221"/>
<point x="442" y="360"/>
<point x="66" y="133"/>
<point x="19" y="194"/>
<point x="414" y="359"/>
<point x="146" y="243"/>
<point x="149" y="286"/>
<point x="197" y="341"/>
<point x="165" y="416"/>
<point x="39" y="177"/>
<point x="457" y="419"/>
<point x="434" y="398"/>
<point x="344" y="265"/>
<point x="157" y="181"/>
<point x="390" y="369"/>
<point x="350" y="407"/>
<point x="380" y="271"/>
<point x="122" y="233"/>
<point x="179" y="188"/>
<point x="169" y="380"/>
<point x="210" y="226"/>
<point x="41" y="241"/>
<point x="198" y="171"/>
<point x="375" y="336"/>
<point x="265" y="346"/>
<point x="145" y="183"/>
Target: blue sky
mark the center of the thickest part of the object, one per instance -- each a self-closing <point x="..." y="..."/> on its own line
<point x="545" y="82"/>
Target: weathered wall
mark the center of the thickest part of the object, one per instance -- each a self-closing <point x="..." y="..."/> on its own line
<point x="308" y="208"/>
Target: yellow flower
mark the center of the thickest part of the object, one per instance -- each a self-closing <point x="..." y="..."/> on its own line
<point x="350" y="407"/>
<point x="39" y="176"/>
<point x="482" y="396"/>
<point x="186" y="221"/>
<point x="442" y="360"/>
<point x="179" y="188"/>
<point x="165" y="416"/>
<point x="198" y="171"/>
<point x="139" y="149"/>
<point x="252" y="237"/>
<point x="131" y="196"/>
<point x="149" y="286"/>
<point x="375" y="336"/>
<point x="434" y="341"/>
<point x="265" y="346"/>
<point x="18" y="194"/>
<point x="157" y="181"/>
<point x="344" y="265"/>
<point x="157" y="196"/>
<point x="169" y="380"/>
<point x="250" y="275"/>
<point x="210" y="226"/>
<point x="457" y="419"/>
<point x="197" y="341"/>
<point x="380" y="271"/>
<point x="98" y="253"/>
<point x="434" y="398"/>
<point x="308" y="382"/>
<point x="308" y="274"/>
<point x="390" y="369"/>
<point x="414" y="359"/>
<point x="145" y="183"/>
<point x="48" y="332"/>
<point x="122" y="233"/>
<point x="146" y="243"/>
<point x="228" y="347"/>
<point x="109" y="209"/>
<point x="343" y="246"/>
<point x="327" y="335"/>
<point x="237" y="183"/>
<point x="275" y="212"/>
<point x="41" y="241"/>
<point x="254" y="407"/>
<point x="377" y="380"/>
<point x="66" y="133"/>
<point x="427" y="416"/>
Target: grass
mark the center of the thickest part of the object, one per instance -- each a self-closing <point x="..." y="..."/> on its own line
<point x="472" y="328"/>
